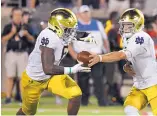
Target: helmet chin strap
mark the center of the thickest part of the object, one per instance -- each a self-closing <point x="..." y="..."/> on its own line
<point x="66" y="40"/>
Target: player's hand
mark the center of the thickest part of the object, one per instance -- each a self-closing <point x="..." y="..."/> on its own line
<point x="95" y="59"/>
<point x="80" y="68"/>
<point x="128" y="69"/>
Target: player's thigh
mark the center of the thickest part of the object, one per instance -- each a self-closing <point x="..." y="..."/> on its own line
<point x="22" y="60"/>
<point x="153" y="104"/>
<point x="136" y="99"/>
<point x="10" y="64"/>
<point x="151" y="94"/>
<point x="64" y="86"/>
<point x="31" y="92"/>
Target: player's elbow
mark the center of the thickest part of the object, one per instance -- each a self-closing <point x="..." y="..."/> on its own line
<point x="47" y="70"/>
<point x="122" y="55"/>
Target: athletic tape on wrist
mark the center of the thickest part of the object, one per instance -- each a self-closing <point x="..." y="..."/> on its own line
<point x="70" y="70"/>
<point x="100" y="57"/>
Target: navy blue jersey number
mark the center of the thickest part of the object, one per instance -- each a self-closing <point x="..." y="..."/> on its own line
<point x="44" y="41"/>
<point x="139" y="40"/>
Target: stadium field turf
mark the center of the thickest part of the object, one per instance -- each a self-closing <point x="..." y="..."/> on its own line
<point x="47" y="106"/>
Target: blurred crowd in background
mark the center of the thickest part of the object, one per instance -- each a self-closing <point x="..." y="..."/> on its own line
<point x="107" y="81"/>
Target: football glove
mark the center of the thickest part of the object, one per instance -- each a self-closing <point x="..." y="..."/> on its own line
<point x="77" y="68"/>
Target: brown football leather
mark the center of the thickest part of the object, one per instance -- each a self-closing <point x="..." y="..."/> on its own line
<point x="84" y="57"/>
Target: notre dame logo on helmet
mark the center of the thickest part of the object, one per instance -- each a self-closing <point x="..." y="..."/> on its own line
<point x="44" y="41"/>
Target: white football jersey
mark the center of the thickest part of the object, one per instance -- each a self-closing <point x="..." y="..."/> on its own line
<point x="140" y="51"/>
<point x="49" y="39"/>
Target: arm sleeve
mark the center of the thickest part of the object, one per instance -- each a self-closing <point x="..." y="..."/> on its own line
<point x="48" y="39"/>
<point x="135" y="48"/>
<point x="102" y="30"/>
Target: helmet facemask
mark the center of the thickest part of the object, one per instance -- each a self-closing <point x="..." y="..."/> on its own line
<point x="127" y="29"/>
<point x="68" y="35"/>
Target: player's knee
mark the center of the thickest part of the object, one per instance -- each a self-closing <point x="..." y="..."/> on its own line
<point x="76" y="95"/>
<point x="130" y="110"/>
<point x="75" y="92"/>
<point x="77" y="98"/>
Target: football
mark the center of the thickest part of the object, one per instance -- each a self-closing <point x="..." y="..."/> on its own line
<point x="84" y="57"/>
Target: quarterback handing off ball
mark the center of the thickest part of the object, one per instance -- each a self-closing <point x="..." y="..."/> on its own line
<point x="84" y="57"/>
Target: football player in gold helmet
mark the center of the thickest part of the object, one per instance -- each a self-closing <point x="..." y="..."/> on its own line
<point x="63" y="23"/>
<point x="140" y="54"/>
<point x="43" y="71"/>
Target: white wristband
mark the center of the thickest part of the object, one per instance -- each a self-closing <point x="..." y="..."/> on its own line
<point x="67" y="70"/>
<point x="100" y="57"/>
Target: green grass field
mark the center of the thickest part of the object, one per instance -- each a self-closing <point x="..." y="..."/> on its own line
<point x="47" y="107"/>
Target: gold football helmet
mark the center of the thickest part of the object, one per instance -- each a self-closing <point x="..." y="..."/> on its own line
<point x="63" y="22"/>
<point x="131" y="21"/>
